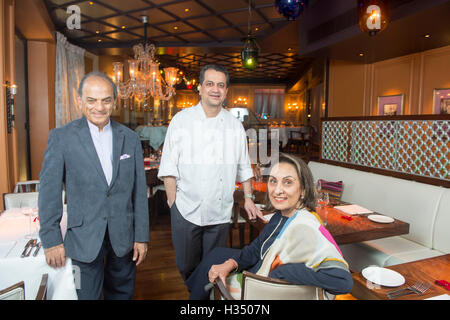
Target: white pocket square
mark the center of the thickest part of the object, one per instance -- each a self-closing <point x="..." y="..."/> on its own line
<point x="124" y="156"/>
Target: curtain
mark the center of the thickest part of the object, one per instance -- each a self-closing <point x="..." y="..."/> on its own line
<point x="69" y="71"/>
<point x="270" y="102"/>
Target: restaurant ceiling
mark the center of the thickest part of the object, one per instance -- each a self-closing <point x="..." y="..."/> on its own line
<point x="192" y="33"/>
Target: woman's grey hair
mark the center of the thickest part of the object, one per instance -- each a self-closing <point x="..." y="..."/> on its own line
<point x="216" y="67"/>
<point x="97" y="74"/>
<point x="308" y="199"/>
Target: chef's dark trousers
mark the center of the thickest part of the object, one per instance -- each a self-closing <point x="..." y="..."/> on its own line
<point x="192" y="242"/>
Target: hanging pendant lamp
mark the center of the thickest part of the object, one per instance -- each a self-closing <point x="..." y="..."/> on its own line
<point x="291" y="9"/>
<point x="372" y="16"/>
<point x="250" y="52"/>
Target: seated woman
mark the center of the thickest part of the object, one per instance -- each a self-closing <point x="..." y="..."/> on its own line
<point x="293" y="246"/>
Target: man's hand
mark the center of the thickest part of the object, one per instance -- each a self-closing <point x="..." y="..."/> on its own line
<point x="56" y="256"/>
<point x="170" y="183"/>
<point x="139" y="252"/>
<point x="252" y="210"/>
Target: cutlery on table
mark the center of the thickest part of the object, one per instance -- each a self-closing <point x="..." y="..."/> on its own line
<point x="30" y="247"/>
<point x="412" y="287"/>
<point x="26" y="247"/>
<point x="418" y="288"/>
<point x="38" y="246"/>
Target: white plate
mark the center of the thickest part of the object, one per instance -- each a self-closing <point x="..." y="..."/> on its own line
<point x="383" y="276"/>
<point x="380" y="219"/>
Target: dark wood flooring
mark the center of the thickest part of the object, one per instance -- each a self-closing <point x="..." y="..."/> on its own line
<point x="157" y="277"/>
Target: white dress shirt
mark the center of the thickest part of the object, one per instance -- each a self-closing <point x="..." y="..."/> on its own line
<point x="103" y="145"/>
<point x="206" y="156"/>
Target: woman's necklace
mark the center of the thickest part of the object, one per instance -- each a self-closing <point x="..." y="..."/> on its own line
<point x="261" y="251"/>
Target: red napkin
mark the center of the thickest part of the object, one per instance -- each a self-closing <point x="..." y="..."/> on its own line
<point x="443" y="283"/>
<point x="347" y="218"/>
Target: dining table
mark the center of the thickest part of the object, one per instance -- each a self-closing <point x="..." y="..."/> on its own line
<point x="343" y="227"/>
<point x="17" y="227"/>
<point x="434" y="272"/>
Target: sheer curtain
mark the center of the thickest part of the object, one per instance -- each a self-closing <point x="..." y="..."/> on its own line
<point x="269" y="102"/>
<point x="69" y="71"/>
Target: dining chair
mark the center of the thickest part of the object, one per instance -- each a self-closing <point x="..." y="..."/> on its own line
<point x="17" y="291"/>
<point x="27" y="186"/>
<point x="295" y="140"/>
<point x="237" y="221"/>
<point x="24" y="199"/>
<point x="256" y="287"/>
<point x="154" y="197"/>
<point x="14" y="292"/>
<point x="42" y="291"/>
<point x="20" y="200"/>
<point x="146" y="149"/>
<point x="301" y="138"/>
<point x="307" y="138"/>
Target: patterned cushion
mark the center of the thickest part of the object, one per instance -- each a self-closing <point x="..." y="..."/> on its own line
<point x="334" y="189"/>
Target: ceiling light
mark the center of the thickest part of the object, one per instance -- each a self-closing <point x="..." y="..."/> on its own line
<point x="97" y="31"/>
<point x="250" y="52"/>
<point x="175" y="28"/>
<point x="91" y="3"/>
<point x="99" y="40"/>
<point x="427" y="35"/>
<point x="291" y="8"/>
<point x="145" y="77"/>
<point x="372" y="16"/>
<point x="123" y="27"/>
<point x="361" y="54"/>
<point x="186" y="10"/>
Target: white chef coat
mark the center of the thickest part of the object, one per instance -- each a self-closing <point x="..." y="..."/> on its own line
<point x="206" y="156"/>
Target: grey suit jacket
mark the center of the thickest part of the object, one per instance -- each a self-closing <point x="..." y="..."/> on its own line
<point x="92" y="205"/>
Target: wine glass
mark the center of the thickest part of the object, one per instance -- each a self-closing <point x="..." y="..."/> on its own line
<point x="323" y="200"/>
<point x="318" y="186"/>
<point x="31" y="212"/>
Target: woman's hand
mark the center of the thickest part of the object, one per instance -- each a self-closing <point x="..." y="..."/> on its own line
<point x="221" y="270"/>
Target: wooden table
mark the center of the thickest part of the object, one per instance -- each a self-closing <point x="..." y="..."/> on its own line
<point x="427" y="270"/>
<point x="359" y="229"/>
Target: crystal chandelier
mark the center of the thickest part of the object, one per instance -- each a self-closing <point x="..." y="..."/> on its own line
<point x="145" y="78"/>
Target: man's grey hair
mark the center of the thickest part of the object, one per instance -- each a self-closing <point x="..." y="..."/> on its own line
<point x="216" y="67"/>
<point x="97" y="74"/>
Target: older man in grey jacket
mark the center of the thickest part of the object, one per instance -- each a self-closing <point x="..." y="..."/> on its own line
<point x="100" y="162"/>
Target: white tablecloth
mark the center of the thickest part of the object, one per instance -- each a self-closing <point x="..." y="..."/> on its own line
<point x="13" y="228"/>
<point x="154" y="135"/>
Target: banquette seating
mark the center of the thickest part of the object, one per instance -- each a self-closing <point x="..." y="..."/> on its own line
<point x="425" y="207"/>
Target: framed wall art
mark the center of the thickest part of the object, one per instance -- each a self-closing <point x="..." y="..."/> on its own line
<point x="441" y="101"/>
<point x="391" y="105"/>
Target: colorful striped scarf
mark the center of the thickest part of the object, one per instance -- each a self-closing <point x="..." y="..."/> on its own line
<point x="303" y="239"/>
